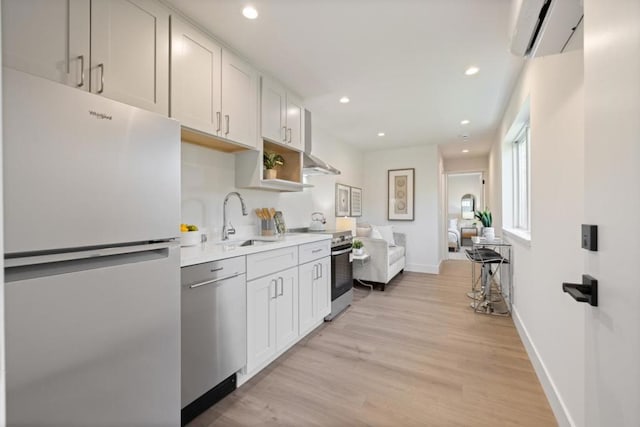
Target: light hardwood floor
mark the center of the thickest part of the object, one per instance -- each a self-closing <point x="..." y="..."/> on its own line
<point x="414" y="355"/>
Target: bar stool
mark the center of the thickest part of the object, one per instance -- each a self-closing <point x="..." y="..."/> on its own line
<point x="484" y="301"/>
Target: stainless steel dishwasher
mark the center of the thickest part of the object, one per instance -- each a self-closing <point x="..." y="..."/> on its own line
<point x="214" y="332"/>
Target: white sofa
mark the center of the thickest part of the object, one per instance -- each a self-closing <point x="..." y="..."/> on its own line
<point x="385" y="261"/>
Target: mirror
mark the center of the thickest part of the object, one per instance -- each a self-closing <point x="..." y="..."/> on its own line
<point x="468" y="206"/>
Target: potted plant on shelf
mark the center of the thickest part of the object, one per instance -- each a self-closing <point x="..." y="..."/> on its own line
<point x="271" y="160"/>
<point x="486" y="219"/>
<point x="358" y="248"/>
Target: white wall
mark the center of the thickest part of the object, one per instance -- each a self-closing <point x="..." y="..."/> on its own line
<point x="208" y="175"/>
<point x="467" y="164"/>
<point x="423" y="236"/>
<point x="554" y="86"/>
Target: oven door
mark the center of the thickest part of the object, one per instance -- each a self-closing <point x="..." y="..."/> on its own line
<point x="341" y="270"/>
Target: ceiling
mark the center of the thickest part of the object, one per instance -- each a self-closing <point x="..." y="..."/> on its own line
<point x="401" y="63"/>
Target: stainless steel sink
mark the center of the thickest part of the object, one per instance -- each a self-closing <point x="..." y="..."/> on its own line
<point x="255" y="242"/>
<point x="242" y="243"/>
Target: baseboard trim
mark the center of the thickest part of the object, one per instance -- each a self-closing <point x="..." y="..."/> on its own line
<point x="423" y="268"/>
<point x="557" y="404"/>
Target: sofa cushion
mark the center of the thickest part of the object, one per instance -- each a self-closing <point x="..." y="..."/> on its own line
<point x="363" y="230"/>
<point x="384" y="232"/>
<point x="395" y="253"/>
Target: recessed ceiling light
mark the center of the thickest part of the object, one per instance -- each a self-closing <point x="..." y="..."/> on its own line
<point x="465" y="122"/>
<point x="250" y="12"/>
<point x="465" y="151"/>
<point x="380" y="133"/>
<point x="344" y="100"/>
<point x="471" y="71"/>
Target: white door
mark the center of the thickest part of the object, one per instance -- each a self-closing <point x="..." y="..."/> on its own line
<point x="130" y="52"/>
<point x="195" y="79"/>
<point x="273" y="117"/>
<point x="306" y="298"/>
<point x="239" y="100"/>
<point x="48" y="38"/>
<point x="322" y="289"/>
<point x="295" y="127"/>
<point x="287" y="308"/>
<point x="612" y="178"/>
<point x="261" y="321"/>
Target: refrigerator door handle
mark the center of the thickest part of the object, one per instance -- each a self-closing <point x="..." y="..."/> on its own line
<point x="11" y="261"/>
<point x="51" y="265"/>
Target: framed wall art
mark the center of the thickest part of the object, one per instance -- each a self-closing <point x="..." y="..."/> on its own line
<point x="401" y="194"/>
<point x="343" y="200"/>
<point x="356" y="201"/>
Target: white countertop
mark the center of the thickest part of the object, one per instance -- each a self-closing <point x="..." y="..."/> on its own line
<point x="214" y="251"/>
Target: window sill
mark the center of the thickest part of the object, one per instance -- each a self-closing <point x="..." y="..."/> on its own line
<point x="518" y="236"/>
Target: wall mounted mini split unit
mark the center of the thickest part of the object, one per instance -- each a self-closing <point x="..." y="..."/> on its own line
<point x="544" y="27"/>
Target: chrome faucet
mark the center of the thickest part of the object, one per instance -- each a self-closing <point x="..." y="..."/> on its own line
<point x="230" y="230"/>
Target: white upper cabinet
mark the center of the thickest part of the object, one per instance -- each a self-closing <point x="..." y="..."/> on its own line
<point x="47" y="38"/>
<point x="195" y="79"/>
<point x="212" y="90"/>
<point x="295" y="128"/>
<point x="130" y="52"/>
<point x="282" y="115"/>
<point x="115" y="48"/>
<point x="274" y="102"/>
<point x="239" y="100"/>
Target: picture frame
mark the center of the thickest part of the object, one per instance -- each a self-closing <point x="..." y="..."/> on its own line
<point x="356" y="201"/>
<point x="401" y="194"/>
<point x="343" y="200"/>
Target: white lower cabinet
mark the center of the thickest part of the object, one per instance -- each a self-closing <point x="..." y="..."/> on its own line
<point x="314" y="293"/>
<point x="285" y="300"/>
<point x="272" y="316"/>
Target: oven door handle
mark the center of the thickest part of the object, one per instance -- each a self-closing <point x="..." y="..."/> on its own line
<point x="344" y="251"/>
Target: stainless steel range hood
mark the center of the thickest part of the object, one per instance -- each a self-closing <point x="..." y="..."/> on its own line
<point x="311" y="165"/>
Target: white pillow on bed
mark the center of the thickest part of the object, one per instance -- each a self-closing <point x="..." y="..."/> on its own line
<point x="453" y="223"/>
<point x="383" y="232"/>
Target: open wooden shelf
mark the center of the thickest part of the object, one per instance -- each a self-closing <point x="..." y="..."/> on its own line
<point x="292" y="169"/>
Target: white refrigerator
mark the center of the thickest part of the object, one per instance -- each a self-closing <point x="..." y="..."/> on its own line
<point x="92" y="263"/>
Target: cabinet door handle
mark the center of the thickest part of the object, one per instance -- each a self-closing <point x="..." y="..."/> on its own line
<point x="226" y="117"/>
<point x="219" y="120"/>
<point x="321" y="271"/>
<point x="281" y="286"/>
<point x="81" y="58"/>
<point x="101" y="67"/>
<point x="285" y="133"/>
<point x="275" y="288"/>
<point x="314" y="275"/>
<point x="289" y="129"/>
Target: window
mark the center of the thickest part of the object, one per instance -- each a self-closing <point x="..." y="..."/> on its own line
<point x="521" y="196"/>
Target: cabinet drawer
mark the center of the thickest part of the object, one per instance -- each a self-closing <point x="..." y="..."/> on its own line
<point x="312" y="251"/>
<point x="268" y="262"/>
<point x="212" y="270"/>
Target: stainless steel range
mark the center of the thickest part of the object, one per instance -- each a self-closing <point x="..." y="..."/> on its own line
<point x="341" y="272"/>
<point x="341" y="269"/>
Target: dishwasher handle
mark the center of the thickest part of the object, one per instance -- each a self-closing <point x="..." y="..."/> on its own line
<point x="210" y="282"/>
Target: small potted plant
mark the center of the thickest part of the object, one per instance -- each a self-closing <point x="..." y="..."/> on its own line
<point x="271" y="160"/>
<point x="358" y="248"/>
<point x="486" y="219"/>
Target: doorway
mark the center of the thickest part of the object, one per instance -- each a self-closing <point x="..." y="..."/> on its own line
<point x="464" y="196"/>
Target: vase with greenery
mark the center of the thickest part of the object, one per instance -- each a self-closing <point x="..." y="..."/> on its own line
<point x="271" y="160"/>
<point x="358" y="247"/>
<point x="486" y="219"/>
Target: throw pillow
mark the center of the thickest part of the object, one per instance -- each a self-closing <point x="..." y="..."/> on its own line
<point x="385" y="232"/>
<point x="363" y="230"/>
